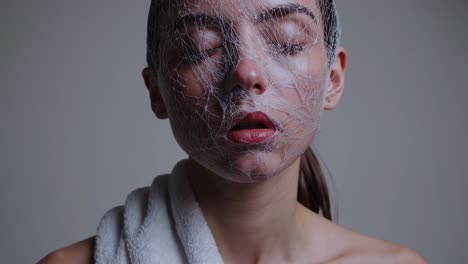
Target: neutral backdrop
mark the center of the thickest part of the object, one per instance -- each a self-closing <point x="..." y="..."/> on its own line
<point x="77" y="133"/>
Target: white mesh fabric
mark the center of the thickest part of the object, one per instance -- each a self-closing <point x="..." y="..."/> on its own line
<point x="215" y="61"/>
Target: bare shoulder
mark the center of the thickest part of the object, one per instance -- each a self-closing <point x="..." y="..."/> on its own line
<point x="406" y="255"/>
<point x="345" y="246"/>
<point x="394" y="254"/>
<point x="81" y="252"/>
<point x="364" y="249"/>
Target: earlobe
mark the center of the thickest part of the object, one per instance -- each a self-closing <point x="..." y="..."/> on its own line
<point x="336" y="85"/>
<point x="157" y="103"/>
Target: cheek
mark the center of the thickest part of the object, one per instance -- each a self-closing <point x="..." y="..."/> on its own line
<point x="300" y="83"/>
<point x="190" y="91"/>
<point x="190" y="83"/>
<point x="193" y="112"/>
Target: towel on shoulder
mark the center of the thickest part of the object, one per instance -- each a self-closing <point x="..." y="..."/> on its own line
<point x="162" y="223"/>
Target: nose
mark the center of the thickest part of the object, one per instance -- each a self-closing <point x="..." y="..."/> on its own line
<point x="248" y="75"/>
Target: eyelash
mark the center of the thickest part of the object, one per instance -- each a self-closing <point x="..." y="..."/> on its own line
<point x="287" y="49"/>
<point x="196" y="56"/>
<point x="284" y="49"/>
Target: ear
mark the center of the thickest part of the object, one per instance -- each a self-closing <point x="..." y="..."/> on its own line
<point x="337" y="75"/>
<point x="157" y="103"/>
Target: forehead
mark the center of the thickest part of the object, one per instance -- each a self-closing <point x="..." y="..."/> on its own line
<point x="235" y="10"/>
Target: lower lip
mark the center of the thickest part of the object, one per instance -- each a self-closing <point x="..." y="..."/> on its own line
<point x="250" y="136"/>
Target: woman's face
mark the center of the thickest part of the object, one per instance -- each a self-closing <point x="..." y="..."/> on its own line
<point x="243" y="82"/>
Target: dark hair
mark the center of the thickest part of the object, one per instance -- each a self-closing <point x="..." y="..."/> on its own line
<point x="313" y="191"/>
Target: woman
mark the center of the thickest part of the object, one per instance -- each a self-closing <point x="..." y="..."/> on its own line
<point x="243" y="84"/>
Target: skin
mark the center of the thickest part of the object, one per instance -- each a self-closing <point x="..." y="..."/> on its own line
<point x="252" y="207"/>
<point x="205" y="100"/>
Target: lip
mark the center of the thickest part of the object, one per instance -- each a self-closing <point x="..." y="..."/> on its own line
<point x="254" y="128"/>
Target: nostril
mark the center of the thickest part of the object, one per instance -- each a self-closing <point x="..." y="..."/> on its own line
<point x="259" y="89"/>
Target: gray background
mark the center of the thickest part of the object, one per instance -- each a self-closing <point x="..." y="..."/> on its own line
<point x="77" y="134"/>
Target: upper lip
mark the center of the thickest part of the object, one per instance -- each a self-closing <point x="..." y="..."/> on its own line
<point x="254" y="120"/>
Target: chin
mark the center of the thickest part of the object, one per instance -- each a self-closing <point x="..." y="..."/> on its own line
<point x="250" y="168"/>
<point x="245" y="164"/>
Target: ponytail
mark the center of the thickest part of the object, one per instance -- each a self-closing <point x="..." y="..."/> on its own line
<point x="313" y="190"/>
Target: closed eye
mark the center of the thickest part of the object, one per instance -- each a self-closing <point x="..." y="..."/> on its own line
<point x="194" y="57"/>
<point x="287" y="49"/>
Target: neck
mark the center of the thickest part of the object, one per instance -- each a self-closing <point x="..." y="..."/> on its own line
<point x="258" y="219"/>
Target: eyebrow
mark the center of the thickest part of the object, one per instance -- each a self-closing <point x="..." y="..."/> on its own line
<point x="202" y="19"/>
<point x="282" y="11"/>
<point x="273" y="13"/>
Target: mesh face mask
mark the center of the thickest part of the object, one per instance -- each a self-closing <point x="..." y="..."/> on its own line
<point x="243" y="82"/>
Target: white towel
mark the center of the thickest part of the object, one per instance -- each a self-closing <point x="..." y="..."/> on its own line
<point x="158" y="224"/>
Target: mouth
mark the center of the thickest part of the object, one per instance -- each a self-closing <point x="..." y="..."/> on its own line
<point x="254" y="128"/>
